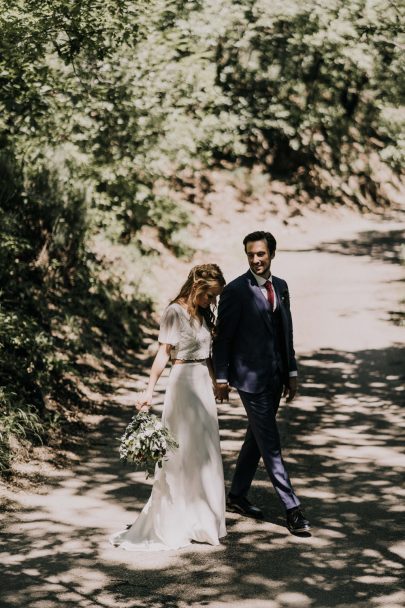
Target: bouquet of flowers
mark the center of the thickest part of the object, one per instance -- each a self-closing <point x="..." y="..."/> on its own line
<point x="146" y="441"/>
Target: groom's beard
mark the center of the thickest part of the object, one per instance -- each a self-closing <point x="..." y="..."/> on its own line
<point x="261" y="272"/>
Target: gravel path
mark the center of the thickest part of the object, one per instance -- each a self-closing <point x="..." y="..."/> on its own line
<point x="342" y="439"/>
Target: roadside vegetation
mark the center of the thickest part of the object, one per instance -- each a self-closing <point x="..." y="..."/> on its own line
<point x="112" y="115"/>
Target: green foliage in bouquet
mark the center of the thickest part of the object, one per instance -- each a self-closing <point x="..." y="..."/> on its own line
<point x="146" y="442"/>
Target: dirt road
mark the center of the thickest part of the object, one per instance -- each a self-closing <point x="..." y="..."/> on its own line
<point x="342" y="439"/>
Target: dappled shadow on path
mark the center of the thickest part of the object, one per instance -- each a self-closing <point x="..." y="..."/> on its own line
<point x="380" y="246"/>
<point x="384" y="247"/>
<point x="342" y="446"/>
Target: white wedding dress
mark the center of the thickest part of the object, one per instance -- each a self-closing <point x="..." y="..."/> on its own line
<point x="187" y="502"/>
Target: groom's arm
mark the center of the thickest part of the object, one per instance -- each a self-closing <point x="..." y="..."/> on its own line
<point x="292" y="363"/>
<point x="229" y="311"/>
<point x="291" y="389"/>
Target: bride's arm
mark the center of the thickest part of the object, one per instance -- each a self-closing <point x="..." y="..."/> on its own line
<point x="211" y="370"/>
<point x="158" y="365"/>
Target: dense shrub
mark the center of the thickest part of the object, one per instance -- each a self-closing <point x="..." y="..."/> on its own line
<point x="317" y="91"/>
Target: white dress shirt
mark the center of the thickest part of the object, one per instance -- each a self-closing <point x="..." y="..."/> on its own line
<point x="261" y="281"/>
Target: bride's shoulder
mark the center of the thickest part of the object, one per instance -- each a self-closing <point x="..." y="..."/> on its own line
<point x="173" y="310"/>
<point x="174" y="307"/>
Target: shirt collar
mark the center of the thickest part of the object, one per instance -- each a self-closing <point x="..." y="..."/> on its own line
<point x="261" y="280"/>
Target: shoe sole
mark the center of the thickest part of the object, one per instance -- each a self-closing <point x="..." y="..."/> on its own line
<point x="299" y="530"/>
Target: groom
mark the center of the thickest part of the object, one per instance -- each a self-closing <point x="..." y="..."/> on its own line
<point x="254" y="352"/>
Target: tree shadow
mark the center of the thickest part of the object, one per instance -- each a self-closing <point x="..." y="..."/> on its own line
<point x="384" y="247"/>
<point x="342" y="445"/>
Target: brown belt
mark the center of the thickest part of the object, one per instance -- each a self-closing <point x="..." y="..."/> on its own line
<point x="180" y="361"/>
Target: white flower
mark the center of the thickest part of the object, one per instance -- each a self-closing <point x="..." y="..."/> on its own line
<point x="146" y="441"/>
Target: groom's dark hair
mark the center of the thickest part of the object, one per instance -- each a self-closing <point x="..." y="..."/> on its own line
<point x="261" y="235"/>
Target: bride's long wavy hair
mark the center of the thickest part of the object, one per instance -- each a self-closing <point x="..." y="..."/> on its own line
<point x="200" y="279"/>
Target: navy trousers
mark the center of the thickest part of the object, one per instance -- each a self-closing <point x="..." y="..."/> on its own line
<point x="262" y="440"/>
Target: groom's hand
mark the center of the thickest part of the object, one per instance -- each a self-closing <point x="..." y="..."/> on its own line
<point x="291" y="390"/>
<point x="222" y="391"/>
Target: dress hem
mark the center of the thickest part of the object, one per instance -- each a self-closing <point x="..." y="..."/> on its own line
<point x="156" y="546"/>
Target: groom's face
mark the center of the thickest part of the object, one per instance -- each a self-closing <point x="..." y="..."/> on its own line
<point x="259" y="257"/>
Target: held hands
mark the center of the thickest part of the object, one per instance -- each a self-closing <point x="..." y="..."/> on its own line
<point x="290" y="390"/>
<point x="221" y="391"/>
<point x="143" y="401"/>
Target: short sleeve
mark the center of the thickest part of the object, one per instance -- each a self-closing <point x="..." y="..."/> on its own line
<point x="170" y="326"/>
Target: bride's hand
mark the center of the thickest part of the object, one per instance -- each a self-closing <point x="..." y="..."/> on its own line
<point x="143" y="402"/>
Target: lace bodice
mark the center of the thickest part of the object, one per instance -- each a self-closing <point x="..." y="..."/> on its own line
<point x="190" y="339"/>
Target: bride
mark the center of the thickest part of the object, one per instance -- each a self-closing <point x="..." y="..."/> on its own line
<point x="187" y="502"/>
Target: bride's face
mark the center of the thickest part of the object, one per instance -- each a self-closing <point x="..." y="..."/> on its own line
<point x="208" y="296"/>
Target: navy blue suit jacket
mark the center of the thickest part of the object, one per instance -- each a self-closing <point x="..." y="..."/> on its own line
<point x="245" y="345"/>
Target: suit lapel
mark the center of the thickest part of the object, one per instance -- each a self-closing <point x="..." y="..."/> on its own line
<point x="280" y="303"/>
<point x="259" y="300"/>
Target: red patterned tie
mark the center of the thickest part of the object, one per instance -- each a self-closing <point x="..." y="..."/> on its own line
<point x="270" y="293"/>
